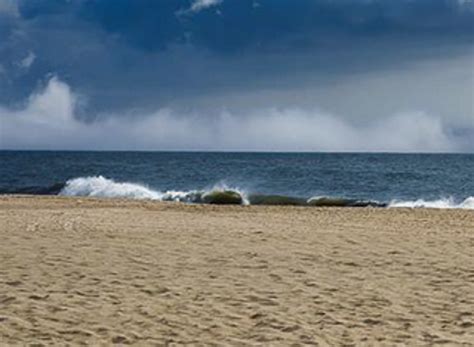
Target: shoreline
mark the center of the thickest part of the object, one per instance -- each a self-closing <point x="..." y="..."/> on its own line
<point x="111" y="271"/>
<point x="140" y="201"/>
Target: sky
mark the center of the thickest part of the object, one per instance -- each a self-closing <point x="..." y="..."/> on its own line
<point x="237" y="75"/>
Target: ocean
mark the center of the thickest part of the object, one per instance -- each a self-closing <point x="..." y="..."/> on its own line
<point x="315" y="179"/>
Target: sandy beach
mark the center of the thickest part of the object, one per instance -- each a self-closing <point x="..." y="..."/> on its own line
<point x="100" y="272"/>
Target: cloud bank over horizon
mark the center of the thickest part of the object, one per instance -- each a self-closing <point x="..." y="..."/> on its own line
<point x="315" y="75"/>
<point x="51" y="113"/>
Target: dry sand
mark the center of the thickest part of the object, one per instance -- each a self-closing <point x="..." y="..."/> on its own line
<point x="98" y="272"/>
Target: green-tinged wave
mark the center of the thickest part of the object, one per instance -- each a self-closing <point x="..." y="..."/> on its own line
<point x="280" y="200"/>
<point x="341" y="202"/>
<point x="224" y="197"/>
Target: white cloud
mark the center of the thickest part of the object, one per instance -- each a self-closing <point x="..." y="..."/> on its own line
<point x="9" y="8"/>
<point x="27" y="61"/>
<point x="48" y="113"/>
<point x="47" y="121"/>
<point x="199" y="5"/>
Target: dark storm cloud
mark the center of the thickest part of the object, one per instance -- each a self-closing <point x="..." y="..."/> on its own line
<point x="128" y="58"/>
<point x="231" y="25"/>
<point x="124" y="41"/>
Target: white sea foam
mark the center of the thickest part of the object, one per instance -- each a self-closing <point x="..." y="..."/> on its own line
<point x="100" y="186"/>
<point x="440" y="203"/>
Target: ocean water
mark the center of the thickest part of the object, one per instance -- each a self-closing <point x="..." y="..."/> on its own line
<point x="321" y="179"/>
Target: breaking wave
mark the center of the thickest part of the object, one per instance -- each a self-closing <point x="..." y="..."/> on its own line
<point x="324" y="201"/>
<point x="440" y="203"/>
<point x="99" y="186"/>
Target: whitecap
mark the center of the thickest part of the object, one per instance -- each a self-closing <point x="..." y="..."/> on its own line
<point x="444" y="203"/>
<point x="99" y="186"/>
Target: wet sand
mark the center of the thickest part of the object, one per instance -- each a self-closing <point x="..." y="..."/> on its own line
<point x="100" y="272"/>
